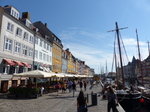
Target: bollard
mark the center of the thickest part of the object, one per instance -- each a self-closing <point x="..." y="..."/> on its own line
<point x="87" y="97"/>
<point x="94" y="98"/>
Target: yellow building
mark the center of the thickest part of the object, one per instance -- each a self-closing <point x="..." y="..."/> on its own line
<point x="57" y="55"/>
<point x="71" y="63"/>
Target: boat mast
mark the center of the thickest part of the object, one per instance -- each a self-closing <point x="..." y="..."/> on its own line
<point x="148" y="48"/>
<point x="118" y="39"/>
<point x="139" y="56"/>
<point x="116" y="66"/>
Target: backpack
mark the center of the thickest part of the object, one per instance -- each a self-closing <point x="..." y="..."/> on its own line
<point x="112" y="98"/>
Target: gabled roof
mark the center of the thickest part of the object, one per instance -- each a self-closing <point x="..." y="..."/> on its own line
<point x="44" y="31"/>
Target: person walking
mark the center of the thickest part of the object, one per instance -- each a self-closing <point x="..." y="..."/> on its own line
<point x="70" y="86"/>
<point x="85" y="85"/>
<point x="81" y="84"/>
<point x="81" y="103"/>
<point x="58" y="87"/>
<point x="112" y="98"/>
<point x="63" y="86"/>
<point x="73" y="88"/>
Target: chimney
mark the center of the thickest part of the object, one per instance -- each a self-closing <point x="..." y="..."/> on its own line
<point x="26" y="15"/>
<point x="46" y="25"/>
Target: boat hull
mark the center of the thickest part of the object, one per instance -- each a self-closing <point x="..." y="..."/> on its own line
<point x="130" y="102"/>
<point x="146" y="103"/>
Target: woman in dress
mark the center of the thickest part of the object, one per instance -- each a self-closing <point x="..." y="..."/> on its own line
<point x="81" y="102"/>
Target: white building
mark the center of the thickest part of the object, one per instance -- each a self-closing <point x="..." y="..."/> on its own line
<point x="16" y="50"/>
<point x="43" y="53"/>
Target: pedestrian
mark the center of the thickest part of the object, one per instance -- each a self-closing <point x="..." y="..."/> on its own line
<point x="42" y="89"/>
<point x="58" y="87"/>
<point x="81" y="103"/>
<point x="73" y="88"/>
<point x="112" y="99"/>
<point x="63" y="86"/>
<point x="81" y="84"/>
<point x="85" y="85"/>
<point x="70" y="86"/>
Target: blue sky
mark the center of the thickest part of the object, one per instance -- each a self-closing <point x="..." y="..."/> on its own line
<point x="82" y="26"/>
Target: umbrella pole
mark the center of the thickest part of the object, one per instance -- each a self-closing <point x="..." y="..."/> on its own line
<point x="36" y="82"/>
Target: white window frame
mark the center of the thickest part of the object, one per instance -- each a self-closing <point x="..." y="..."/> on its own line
<point x="10" y="26"/>
<point x="47" y="58"/>
<point x="17" y="47"/>
<point x="25" y="50"/>
<point x="36" y="40"/>
<point x="8" y="44"/>
<point x="47" y="46"/>
<point x="30" y="52"/>
<point x="19" y="32"/>
<point x="41" y="42"/>
<point x="25" y="37"/>
<point x="31" y="38"/>
<point x="44" y="56"/>
<point x="40" y="55"/>
<point x="36" y="54"/>
<point x="44" y="45"/>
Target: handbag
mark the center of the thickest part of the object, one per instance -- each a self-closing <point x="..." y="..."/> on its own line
<point x="85" y="109"/>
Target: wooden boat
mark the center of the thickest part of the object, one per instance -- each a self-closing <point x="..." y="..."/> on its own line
<point x="129" y="100"/>
<point x="145" y="103"/>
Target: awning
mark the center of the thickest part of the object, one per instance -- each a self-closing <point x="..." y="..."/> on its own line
<point x="10" y="62"/>
<point x="27" y="65"/>
<point x="19" y="63"/>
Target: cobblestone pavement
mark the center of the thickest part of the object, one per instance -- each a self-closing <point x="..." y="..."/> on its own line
<point x="52" y="103"/>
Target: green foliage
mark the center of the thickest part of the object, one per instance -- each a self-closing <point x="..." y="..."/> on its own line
<point x="34" y="91"/>
<point x="23" y="90"/>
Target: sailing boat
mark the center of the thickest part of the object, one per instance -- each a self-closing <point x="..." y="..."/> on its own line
<point x="145" y="91"/>
<point x="129" y="100"/>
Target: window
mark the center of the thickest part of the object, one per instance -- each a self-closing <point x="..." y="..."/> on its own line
<point x="50" y="49"/>
<point x="44" y="57"/>
<point x="36" y="40"/>
<point x="15" y="14"/>
<point x="8" y="44"/>
<point x="40" y="55"/>
<point x="25" y="35"/>
<point x="45" y="45"/>
<point x="31" y="38"/>
<point x="10" y="27"/>
<point x="48" y="58"/>
<point x="12" y="12"/>
<point x="36" y="54"/>
<point x="41" y="42"/>
<point x="30" y="52"/>
<point x="17" y="47"/>
<point x="19" y="32"/>
<point x="25" y="49"/>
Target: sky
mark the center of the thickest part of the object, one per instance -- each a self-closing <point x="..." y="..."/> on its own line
<point x="83" y="25"/>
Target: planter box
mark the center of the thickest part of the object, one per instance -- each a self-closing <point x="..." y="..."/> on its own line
<point x="34" y="95"/>
<point x="22" y="96"/>
<point x="11" y="96"/>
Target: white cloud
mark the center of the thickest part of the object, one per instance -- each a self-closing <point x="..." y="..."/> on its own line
<point x="95" y="55"/>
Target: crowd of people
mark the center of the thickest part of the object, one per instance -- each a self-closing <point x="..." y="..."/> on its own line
<point x="70" y="86"/>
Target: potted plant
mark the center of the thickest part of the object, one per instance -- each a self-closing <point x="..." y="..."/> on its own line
<point x="34" y="92"/>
